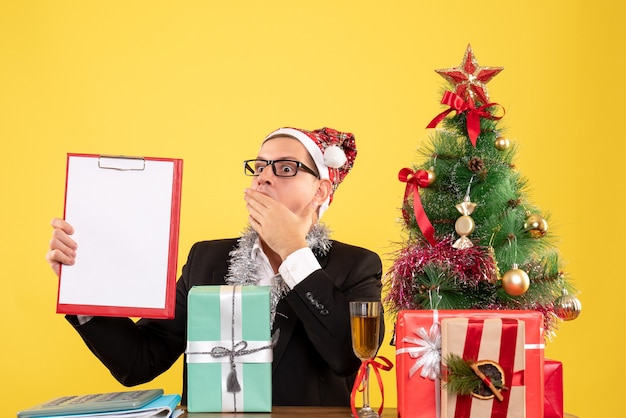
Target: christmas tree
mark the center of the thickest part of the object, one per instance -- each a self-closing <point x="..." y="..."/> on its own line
<point x="473" y="239"/>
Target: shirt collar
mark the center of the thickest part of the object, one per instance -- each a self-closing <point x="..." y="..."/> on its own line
<point x="260" y="259"/>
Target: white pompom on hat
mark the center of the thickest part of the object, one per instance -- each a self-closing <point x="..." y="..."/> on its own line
<point x="334" y="153"/>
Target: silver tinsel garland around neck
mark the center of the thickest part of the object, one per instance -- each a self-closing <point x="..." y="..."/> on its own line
<point x="244" y="271"/>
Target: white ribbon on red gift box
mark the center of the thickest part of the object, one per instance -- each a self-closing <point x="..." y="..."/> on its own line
<point x="427" y="352"/>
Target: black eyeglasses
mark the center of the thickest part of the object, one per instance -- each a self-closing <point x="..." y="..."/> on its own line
<point x="281" y="168"/>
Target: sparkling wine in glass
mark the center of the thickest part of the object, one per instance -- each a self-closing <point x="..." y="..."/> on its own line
<point x="365" y="326"/>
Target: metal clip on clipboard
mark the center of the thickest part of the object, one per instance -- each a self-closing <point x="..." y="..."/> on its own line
<point x="122" y="163"/>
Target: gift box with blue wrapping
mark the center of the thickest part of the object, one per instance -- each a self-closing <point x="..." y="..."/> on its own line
<point x="229" y="352"/>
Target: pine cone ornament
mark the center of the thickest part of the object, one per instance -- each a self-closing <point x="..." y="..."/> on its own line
<point x="476" y="165"/>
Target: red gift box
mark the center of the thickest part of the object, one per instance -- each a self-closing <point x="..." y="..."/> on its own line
<point x="553" y="389"/>
<point x="418" y="359"/>
<point x="498" y="340"/>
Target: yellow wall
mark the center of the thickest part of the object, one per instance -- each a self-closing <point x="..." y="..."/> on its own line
<point x="204" y="81"/>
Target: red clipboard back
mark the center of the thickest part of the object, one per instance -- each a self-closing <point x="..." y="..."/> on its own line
<point x="126" y="216"/>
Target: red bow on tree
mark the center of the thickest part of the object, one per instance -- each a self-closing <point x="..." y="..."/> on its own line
<point x="414" y="180"/>
<point x="472" y="117"/>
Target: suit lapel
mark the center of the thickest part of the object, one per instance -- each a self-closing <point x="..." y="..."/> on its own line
<point x="285" y="321"/>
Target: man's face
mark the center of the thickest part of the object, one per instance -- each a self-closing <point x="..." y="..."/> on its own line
<point x="294" y="192"/>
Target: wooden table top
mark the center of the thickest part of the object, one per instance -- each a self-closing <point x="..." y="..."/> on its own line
<point x="299" y="412"/>
<point x="291" y="412"/>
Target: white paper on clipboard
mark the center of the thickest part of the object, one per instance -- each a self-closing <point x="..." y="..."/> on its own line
<point x="126" y="214"/>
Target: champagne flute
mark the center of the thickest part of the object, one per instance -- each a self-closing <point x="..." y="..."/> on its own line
<point x="365" y="326"/>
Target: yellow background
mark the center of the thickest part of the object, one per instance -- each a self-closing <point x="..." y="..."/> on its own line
<point x="204" y="81"/>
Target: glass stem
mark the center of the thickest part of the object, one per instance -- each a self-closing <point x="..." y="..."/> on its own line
<point x="366" y="388"/>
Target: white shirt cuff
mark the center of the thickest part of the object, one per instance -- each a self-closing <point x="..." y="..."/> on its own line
<point x="298" y="266"/>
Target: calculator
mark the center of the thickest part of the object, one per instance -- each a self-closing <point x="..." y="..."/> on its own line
<point x="92" y="403"/>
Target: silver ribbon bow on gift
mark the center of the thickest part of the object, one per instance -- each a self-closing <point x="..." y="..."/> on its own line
<point x="238" y="349"/>
<point x="428" y="352"/>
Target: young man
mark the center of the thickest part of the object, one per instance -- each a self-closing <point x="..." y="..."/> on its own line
<point x="312" y="278"/>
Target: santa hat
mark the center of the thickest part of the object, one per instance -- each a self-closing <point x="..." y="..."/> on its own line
<point x="332" y="151"/>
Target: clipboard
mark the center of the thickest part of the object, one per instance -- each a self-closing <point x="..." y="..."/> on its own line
<point x="126" y="215"/>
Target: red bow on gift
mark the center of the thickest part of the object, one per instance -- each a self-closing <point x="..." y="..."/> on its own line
<point x="360" y="376"/>
<point x="414" y="180"/>
<point x="473" y="116"/>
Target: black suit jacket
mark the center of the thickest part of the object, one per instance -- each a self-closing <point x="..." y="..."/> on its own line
<point x="313" y="359"/>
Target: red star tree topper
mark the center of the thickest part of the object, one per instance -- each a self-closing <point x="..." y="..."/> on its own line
<point x="469" y="78"/>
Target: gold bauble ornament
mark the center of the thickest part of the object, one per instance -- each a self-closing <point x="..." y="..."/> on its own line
<point x="536" y="226"/>
<point x="567" y="307"/>
<point x="431" y="176"/>
<point x="502" y="143"/>
<point x="515" y="282"/>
